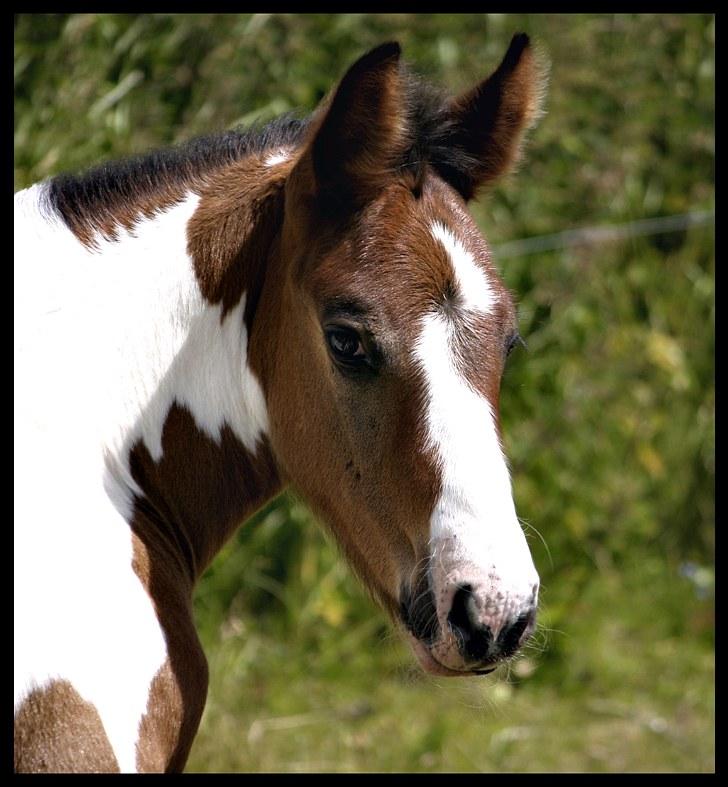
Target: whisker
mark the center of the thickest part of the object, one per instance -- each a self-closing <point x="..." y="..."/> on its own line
<point x="527" y="524"/>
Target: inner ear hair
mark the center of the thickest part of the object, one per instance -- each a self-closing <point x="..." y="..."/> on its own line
<point x="491" y="120"/>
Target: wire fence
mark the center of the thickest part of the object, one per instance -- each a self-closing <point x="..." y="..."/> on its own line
<point x="595" y="235"/>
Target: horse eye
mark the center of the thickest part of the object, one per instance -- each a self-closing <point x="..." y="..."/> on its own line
<point x="345" y="345"/>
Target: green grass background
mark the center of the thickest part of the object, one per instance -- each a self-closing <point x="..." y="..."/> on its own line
<point x="608" y="418"/>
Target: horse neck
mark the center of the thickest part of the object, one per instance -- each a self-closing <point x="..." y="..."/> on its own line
<point x="187" y="457"/>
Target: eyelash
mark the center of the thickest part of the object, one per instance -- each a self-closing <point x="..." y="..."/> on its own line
<point x="514" y="340"/>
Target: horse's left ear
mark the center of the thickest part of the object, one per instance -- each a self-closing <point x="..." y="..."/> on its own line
<point x="491" y="120"/>
<point x="357" y="134"/>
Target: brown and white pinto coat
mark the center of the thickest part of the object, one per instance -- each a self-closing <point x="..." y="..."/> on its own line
<point x="310" y="306"/>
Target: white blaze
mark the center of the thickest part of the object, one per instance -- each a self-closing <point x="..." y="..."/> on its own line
<point x="472" y="283"/>
<point x="475" y="503"/>
<point x="474" y="521"/>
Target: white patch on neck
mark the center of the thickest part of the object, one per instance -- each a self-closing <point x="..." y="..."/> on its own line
<point x="106" y="340"/>
<point x="475" y="514"/>
<point x="474" y="288"/>
<point x="152" y="340"/>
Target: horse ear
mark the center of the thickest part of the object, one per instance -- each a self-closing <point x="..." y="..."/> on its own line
<point x="490" y="120"/>
<point x="357" y="132"/>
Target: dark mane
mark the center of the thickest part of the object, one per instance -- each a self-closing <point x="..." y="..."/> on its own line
<point x="103" y="190"/>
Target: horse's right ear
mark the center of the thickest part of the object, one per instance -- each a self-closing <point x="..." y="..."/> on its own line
<point x="357" y="134"/>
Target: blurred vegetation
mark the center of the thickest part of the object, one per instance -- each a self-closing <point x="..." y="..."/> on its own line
<point x="608" y="418"/>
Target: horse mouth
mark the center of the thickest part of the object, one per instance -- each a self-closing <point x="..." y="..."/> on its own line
<point x="419" y="618"/>
<point x="432" y="666"/>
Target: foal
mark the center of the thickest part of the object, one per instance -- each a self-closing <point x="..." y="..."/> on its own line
<point x="309" y="304"/>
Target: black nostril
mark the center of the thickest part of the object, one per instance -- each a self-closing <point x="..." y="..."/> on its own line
<point x="459" y="617"/>
<point x="512" y="636"/>
<point x="474" y="640"/>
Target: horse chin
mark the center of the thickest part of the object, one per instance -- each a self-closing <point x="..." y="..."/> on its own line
<point x="432" y="666"/>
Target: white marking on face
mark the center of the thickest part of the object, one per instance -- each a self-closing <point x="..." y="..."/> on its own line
<point x="105" y="342"/>
<point x="475" y="536"/>
<point x="474" y="289"/>
<point x="461" y="428"/>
